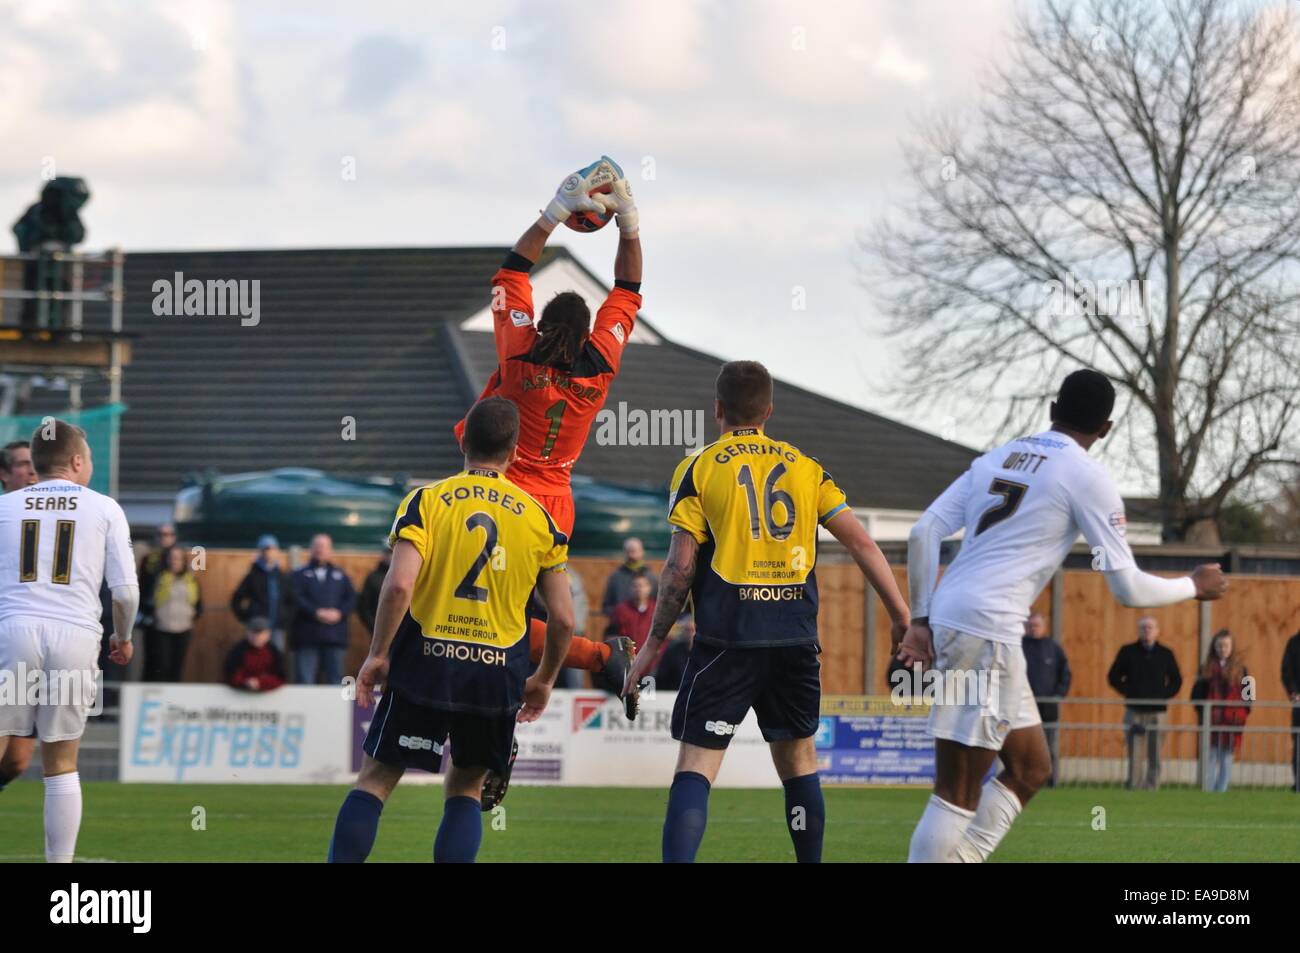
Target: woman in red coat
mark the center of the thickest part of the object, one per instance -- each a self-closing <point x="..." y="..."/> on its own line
<point x="1223" y="678"/>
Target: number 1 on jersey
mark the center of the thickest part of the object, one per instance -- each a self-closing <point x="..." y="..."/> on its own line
<point x="555" y="414"/>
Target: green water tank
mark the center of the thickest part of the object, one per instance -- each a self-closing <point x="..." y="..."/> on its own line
<point x="607" y="514"/>
<point x="291" y="503"/>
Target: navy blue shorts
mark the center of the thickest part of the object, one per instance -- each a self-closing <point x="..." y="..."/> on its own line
<point x="782" y="684"/>
<point x="409" y="735"/>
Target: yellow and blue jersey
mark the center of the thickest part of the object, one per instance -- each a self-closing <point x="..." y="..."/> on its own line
<point x="463" y="644"/>
<point x="753" y="504"/>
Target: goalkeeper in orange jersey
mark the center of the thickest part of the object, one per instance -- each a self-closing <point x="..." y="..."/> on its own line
<point x="558" y="370"/>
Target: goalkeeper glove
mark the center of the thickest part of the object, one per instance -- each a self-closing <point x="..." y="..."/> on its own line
<point x="573" y="193"/>
<point x="619" y="200"/>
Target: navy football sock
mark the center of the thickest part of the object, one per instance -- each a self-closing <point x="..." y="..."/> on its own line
<point x="688" y="812"/>
<point x="805" y="816"/>
<point x="460" y="832"/>
<point x="355" y="829"/>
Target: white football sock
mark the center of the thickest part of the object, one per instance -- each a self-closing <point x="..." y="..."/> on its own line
<point x="938" y="832"/>
<point x="997" y="811"/>
<point x="62" y="817"/>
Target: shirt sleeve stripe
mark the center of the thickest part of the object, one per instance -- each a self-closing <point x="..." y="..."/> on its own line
<point x="686" y="488"/>
<point x="411" y="517"/>
<point x="842" y="506"/>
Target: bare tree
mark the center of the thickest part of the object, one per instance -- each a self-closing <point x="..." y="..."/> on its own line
<point x="1283" y="513"/>
<point x="1129" y="200"/>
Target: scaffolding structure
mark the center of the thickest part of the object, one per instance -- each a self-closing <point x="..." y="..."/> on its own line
<point x="47" y="330"/>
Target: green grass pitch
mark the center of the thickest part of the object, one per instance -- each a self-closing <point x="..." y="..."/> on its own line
<point x="153" y="822"/>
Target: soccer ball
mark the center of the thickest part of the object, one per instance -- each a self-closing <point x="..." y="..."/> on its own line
<point x="591" y="221"/>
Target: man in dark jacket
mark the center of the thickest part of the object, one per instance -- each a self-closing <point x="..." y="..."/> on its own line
<point x="323" y="599"/>
<point x="368" y="601"/>
<point x="1291" y="682"/>
<point x="263" y="592"/>
<point x="618" y="588"/>
<point x="1145" y="670"/>
<point x="1049" y="677"/>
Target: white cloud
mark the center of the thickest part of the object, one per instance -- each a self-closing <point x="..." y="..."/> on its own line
<point x="767" y="157"/>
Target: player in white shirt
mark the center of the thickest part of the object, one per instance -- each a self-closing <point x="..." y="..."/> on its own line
<point x="1022" y="506"/>
<point x="58" y="540"/>
<point x="16" y="472"/>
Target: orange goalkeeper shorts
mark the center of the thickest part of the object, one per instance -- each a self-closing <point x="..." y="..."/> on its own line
<point x="560" y="508"/>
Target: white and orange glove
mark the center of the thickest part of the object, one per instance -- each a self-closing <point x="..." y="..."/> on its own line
<point x="619" y="200"/>
<point x="573" y="195"/>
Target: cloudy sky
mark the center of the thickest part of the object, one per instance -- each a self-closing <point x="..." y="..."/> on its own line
<point x="761" y="138"/>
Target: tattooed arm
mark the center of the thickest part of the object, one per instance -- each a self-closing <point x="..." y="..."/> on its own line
<point x="674" y="586"/>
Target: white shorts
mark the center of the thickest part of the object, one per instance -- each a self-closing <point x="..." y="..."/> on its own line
<point x="984" y="691"/>
<point x="48" y="677"/>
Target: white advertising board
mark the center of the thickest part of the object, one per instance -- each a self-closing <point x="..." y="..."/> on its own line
<point x="212" y="733"/>
<point x="583" y="738"/>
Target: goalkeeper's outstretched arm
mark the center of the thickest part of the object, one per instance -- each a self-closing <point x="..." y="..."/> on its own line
<point x="531" y="242"/>
<point x="627" y="260"/>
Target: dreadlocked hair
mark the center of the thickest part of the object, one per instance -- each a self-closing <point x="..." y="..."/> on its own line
<point x="563" y="328"/>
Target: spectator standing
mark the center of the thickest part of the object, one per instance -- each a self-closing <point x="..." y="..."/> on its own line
<point x="632" y="617"/>
<point x="1291" y="682"/>
<point x="176" y="605"/>
<point x="323" y="599"/>
<point x="255" y="664"/>
<point x="16" y="470"/>
<point x="630" y="620"/>
<point x="1049" y="677"/>
<point x="618" y="588"/>
<point x="1145" y="671"/>
<point x="368" y="599"/>
<point x="151" y="567"/>
<point x="263" y="592"/>
<point x="1222" y="678"/>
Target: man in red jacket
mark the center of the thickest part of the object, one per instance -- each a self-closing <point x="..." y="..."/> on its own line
<point x="254" y="664"/>
<point x="632" y="618"/>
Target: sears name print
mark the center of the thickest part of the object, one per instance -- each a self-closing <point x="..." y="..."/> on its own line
<point x="179" y="296"/>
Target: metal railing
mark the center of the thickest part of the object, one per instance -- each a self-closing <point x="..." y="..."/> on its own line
<point x="1108" y="745"/>
<point x="53" y="279"/>
<point x="1093" y="751"/>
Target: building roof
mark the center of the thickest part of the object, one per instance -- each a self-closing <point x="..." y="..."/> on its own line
<point x="363" y="359"/>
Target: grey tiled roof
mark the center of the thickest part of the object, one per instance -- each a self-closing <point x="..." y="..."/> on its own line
<point x="372" y="335"/>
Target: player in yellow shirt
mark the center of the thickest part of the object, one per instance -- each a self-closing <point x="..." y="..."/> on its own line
<point x="451" y="638"/>
<point x="745" y="511"/>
